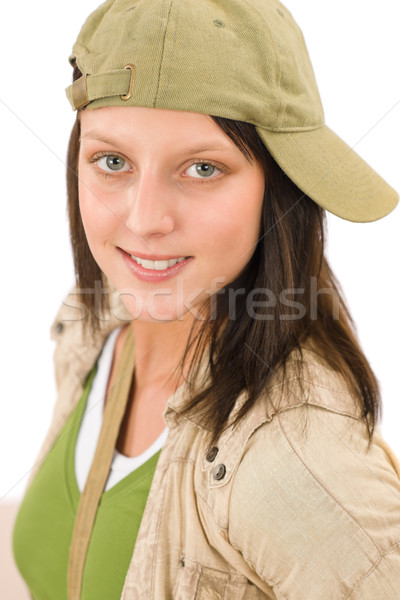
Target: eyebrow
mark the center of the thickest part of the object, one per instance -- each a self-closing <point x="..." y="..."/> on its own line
<point x="95" y="135"/>
<point x="205" y="148"/>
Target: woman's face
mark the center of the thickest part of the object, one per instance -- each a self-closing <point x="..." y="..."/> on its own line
<point x="170" y="206"/>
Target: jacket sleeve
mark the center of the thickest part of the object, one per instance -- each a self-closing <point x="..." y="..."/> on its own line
<point x="315" y="510"/>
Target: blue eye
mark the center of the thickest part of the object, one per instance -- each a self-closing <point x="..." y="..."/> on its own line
<point x="112" y="162"/>
<point x="202" y="170"/>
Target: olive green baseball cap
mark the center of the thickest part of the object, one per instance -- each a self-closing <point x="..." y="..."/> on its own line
<point x="241" y="59"/>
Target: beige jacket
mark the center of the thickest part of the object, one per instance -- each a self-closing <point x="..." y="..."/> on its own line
<point x="293" y="505"/>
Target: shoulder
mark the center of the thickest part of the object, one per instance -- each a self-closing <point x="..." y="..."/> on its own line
<point x="76" y="346"/>
<point x="75" y="353"/>
<point x="313" y="505"/>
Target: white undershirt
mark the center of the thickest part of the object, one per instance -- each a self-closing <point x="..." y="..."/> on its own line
<point x="91" y="424"/>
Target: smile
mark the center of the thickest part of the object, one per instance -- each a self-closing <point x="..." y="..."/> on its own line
<point x="157" y="265"/>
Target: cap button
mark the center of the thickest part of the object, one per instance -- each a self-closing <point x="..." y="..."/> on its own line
<point x="212" y="454"/>
<point x="219" y="472"/>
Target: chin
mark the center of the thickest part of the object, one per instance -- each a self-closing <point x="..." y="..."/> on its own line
<point x="152" y="312"/>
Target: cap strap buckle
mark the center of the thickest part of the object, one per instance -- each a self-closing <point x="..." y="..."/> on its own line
<point x="106" y="84"/>
<point x="132" y="81"/>
<point x="79" y="93"/>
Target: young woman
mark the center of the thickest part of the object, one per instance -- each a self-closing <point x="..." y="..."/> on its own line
<point x="215" y="435"/>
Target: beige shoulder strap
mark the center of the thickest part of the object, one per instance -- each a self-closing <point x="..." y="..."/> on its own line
<point x="99" y="471"/>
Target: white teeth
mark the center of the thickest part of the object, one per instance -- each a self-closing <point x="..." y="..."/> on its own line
<point x="157" y="265"/>
<point x="148" y="264"/>
<point x="160" y="265"/>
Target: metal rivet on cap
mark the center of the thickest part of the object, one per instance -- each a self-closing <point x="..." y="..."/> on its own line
<point x="59" y="327"/>
<point x="219" y="23"/>
<point x="219" y="472"/>
<point x="182" y="561"/>
<point x="212" y="454"/>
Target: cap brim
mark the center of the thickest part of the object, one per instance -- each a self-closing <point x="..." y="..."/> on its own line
<point x="327" y="170"/>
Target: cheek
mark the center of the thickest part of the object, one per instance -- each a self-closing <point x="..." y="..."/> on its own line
<point x="99" y="217"/>
<point x="246" y="220"/>
<point x="249" y="212"/>
<point x="89" y="215"/>
<point x="230" y="237"/>
<point x="237" y="225"/>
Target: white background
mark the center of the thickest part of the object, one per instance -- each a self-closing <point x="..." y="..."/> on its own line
<point x="355" y="49"/>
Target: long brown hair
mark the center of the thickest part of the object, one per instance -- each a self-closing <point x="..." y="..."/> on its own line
<point x="245" y="347"/>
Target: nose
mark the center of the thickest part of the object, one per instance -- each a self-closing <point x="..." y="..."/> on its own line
<point x="150" y="210"/>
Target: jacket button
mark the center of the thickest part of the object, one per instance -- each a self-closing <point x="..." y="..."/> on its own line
<point x="59" y="327"/>
<point x="219" y="472"/>
<point x="211" y="454"/>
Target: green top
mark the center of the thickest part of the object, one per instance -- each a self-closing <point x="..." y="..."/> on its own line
<point x="44" y="525"/>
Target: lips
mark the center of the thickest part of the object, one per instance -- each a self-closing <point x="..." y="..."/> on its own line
<point x="153" y="269"/>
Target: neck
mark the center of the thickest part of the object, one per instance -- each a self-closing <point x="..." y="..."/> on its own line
<point x="159" y="350"/>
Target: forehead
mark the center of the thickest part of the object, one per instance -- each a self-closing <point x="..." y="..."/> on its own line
<point x="151" y="125"/>
<point x="137" y="118"/>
